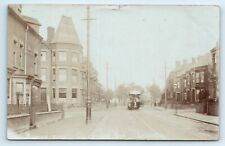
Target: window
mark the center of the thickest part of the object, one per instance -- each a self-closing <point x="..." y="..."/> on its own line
<point x="14" y="52"/>
<point x="19" y="93"/>
<point x="21" y="59"/>
<point x="53" y="92"/>
<point x="35" y="64"/>
<point x="62" y="92"/>
<point x="43" y="56"/>
<point x="43" y="95"/>
<point x="178" y="85"/>
<point x="74" y="93"/>
<point x="53" y="56"/>
<point x="197" y="77"/>
<point x="62" y="56"/>
<point x="202" y="77"/>
<point x="53" y="74"/>
<point x="197" y="93"/>
<point x="62" y="74"/>
<point x="188" y="79"/>
<point x="84" y="74"/>
<point x="193" y="77"/>
<point x="53" y="71"/>
<point x="75" y="58"/>
<point x="185" y="83"/>
<point x="8" y="88"/>
<point x="21" y="56"/>
<point x="82" y="92"/>
<point x="19" y="88"/>
<point x="214" y="58"/>
<point x="74" y="75"/>
<point x="43" y="74"/>
<point x="14" y="58"/>
<point x="175" y="85"/>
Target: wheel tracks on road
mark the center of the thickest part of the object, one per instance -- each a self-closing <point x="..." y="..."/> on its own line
<point x="160" y="136"/>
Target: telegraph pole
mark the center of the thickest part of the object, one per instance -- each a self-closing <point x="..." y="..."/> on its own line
<point x="165" y="89"/>
<point x="88" y="99"/>
<point x="50" y="84"/>
<point x="176" y="94"/>
<point x="115" y="84"/>
<point x="107" y="71"/>
<point x="107" y="98"/>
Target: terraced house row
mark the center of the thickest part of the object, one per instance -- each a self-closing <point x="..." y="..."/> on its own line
<point x="23" y="67"/>
<point x="188" y="81"/>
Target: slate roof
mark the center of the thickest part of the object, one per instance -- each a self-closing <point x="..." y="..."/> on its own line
<point x="66" y="32"/>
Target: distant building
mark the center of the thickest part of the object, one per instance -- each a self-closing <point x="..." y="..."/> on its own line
<point x="94" y="85"/>
<point x="24" y="45"/>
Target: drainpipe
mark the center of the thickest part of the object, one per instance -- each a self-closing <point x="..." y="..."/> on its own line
<point x="25" y="50"/>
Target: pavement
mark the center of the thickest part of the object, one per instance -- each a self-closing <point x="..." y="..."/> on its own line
<point x="118" y="123"/>
<point x="191" y="114"/>
<point x="200" y="117"/>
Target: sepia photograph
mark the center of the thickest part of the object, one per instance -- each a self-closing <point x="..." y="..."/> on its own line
<point x="113" y="72"/>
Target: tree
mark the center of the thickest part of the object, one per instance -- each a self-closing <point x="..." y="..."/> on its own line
<point x="122" y="92"/>
<point x="155" y="92"/>
<point x="108" y="94"/>
<point x="99" y="92"/>
<point x="133" y="86"/>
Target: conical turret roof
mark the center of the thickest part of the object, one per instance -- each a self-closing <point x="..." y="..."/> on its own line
<point x="66" y="32"/>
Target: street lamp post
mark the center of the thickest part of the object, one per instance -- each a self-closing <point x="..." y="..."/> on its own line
<point x="32" y="114"/>
<point x="176" y="103"/>
<point x="176" y="89"/>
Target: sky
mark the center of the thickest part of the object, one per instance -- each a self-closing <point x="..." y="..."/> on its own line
<point x="139" y="43"/>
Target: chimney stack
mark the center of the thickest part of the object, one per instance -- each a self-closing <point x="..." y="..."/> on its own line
<point x="51" y="33"/>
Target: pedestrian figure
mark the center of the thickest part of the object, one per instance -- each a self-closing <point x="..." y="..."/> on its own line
<point x="200" y="97"/>
<point x="205" y="95"/>
<point x="107" y="103"/>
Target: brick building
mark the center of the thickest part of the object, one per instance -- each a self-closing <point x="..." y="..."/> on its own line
<point x="185" y="82"/>
<point x="23" y="66"/>
<point x="52" y="72"/>
<point x="187" y="79"/>
<point x="215" y="72"/>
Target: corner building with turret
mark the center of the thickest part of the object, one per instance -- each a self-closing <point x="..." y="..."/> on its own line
<point x="61" y="65"/>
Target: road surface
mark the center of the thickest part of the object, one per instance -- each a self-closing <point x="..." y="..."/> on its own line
<point x="119" y="123"/>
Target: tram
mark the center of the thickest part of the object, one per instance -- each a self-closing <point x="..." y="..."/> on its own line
<point x="134" y="101"/>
